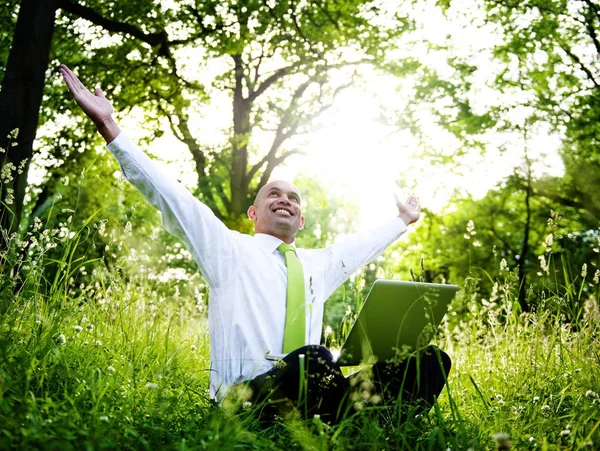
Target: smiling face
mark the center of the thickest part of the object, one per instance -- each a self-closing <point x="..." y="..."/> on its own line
<point x="277" y="210"/>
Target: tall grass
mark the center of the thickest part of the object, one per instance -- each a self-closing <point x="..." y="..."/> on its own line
<point x="114" y="365"/>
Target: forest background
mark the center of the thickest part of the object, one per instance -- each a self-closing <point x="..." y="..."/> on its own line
<point x="487" y="110"/>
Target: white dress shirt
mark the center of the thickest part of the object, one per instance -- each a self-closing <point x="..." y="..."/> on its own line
<point x="247" y="274"/>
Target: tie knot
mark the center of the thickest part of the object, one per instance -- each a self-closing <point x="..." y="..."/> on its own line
<point x="284" y="247"/>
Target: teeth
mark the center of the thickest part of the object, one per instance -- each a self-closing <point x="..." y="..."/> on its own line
<point x="281" y="210"/>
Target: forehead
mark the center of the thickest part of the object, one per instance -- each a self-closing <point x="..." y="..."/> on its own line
<point x="279" y="185"/>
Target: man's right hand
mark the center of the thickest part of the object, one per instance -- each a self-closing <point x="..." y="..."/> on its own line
<point x="95" y="106"/>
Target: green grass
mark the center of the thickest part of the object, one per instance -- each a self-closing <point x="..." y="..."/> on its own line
<point x="115" y="365"/>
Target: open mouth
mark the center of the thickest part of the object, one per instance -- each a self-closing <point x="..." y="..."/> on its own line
<point x="283" y="211"/>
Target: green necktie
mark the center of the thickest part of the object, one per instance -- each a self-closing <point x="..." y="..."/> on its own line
<point x="295" y="316"/>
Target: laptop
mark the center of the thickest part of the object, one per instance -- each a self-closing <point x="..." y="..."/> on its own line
<point x="396" y="319"/>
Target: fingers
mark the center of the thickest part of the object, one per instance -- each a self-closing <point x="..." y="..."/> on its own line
<point x="100" y="93"/>
<point x="413" y="202"/>
<point x="73" y="83"/>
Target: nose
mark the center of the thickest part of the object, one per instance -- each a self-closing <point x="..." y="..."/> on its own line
<point x="284" y="199"/>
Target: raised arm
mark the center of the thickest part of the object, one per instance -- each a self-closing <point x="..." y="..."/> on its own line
<point x="351" y="253"/>
<point x="95" y="106"/>
<point x="205" y="236"/>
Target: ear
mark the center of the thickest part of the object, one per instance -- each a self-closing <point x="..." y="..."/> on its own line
<point x="252" y="213"/>
<point x="301" y="225"/>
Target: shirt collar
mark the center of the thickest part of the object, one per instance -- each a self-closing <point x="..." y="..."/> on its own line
<point x="268" y="242"/>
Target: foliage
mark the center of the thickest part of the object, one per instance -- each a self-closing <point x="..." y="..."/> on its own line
<point x="483" y="239"/>
<point x="118" y="367"/>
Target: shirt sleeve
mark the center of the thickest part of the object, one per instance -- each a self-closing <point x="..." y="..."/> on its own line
<point x="355" y="251"/>
<point x="209" y="241"/>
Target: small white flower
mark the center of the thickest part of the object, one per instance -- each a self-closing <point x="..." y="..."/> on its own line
<point x="536" y="398"/>
<point x="90" y="327"/>
<point x="193" y="348"/>
<point x="111" y="369"/>
<point x="61" y="339"/>
<point x="151" y="386"/>
<point x="503" y="265"/>
<point x="565" y="433"/>
<point x="77" y="328"/>
<point x="104" y="419"/>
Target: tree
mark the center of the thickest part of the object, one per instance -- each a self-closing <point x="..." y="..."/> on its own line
<point x="280" y="53"/>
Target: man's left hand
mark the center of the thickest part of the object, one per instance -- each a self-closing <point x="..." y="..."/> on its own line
<point x="409" y="210"/>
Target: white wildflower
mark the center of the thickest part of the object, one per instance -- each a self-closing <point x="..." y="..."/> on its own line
<point x="151" y="386"/>
<point x="544" y="265"/>
<point x="10" y="198"/>
<point x="503" y="265"/>
<point x="22" y="165"/>
<point x="77" y="328"/>
<point x="61" y="339"/>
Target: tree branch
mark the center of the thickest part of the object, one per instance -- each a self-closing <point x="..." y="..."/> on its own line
<point x="85" y="12"/>
<point x="273" y="163"/>
<point x="578" y="61"/>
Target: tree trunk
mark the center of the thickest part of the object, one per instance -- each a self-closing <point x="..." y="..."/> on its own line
<point x="241" y="135"/>
<point x="20" y="100"/>
<point x="525" y="247"/>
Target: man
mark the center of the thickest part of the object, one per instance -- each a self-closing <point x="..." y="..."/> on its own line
<point x="263" y="303"/>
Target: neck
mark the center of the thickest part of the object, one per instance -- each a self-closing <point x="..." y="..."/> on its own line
<point x="282" y="236"/>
